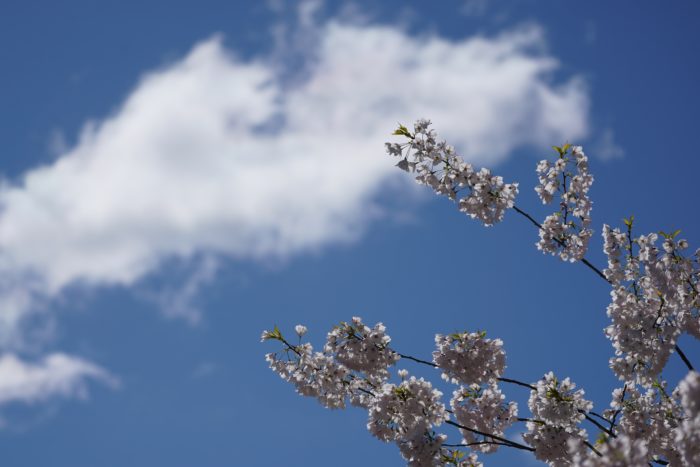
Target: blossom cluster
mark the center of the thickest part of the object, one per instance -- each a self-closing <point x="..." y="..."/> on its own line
<point x="483" y="409"/>
<point x="438" y="165"/>
<point x="649" y="416"/>
<point x="621" y="451"/>
<point x="314" y="374"/>
<point x="654" y="299"/>
<point x="641" y="426"/>
<point x="469" y="358"/>
<point x="566" y="233"/>
<point x="557" y="409"/>
<point x="405" y="411"/>
<point x="687" y="435"/>
<point x="353" y="367"/>
<point x="361" y="348"/>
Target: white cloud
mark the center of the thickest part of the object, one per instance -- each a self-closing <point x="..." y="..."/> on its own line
<point x="56" y="375"/>
<point x="180" y="301"/>
<point x="218" y="156"/>
<point x="607" y="148"/>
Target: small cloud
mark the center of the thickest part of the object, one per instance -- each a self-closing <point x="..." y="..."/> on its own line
<point x="57" y="375"/>
<point x="180" y="301"/>
<point x="607" y="148"/>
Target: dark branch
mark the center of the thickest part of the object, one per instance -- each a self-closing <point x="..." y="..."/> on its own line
<point x="506" y="442"/>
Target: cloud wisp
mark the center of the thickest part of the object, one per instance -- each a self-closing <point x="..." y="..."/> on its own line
<point x="214" y="155"/>
<point x="57" y="375"/>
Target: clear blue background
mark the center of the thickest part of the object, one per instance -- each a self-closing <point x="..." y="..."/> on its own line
<point x="65" y="62"/>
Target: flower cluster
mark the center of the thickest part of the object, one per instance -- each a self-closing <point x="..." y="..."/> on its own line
<point x="483" y="409"/>
<point x="649" y="417"/>
<point x="319" y="374"/>
<point x="566" y="233"/>
<point x="687" y="436"/>
<point x="557" y="409"/>
<point x="469" y="358"/>
<point x="557" y="403"/>
<point x="640" y="426"/>
<point x="313" y="374"/>
<point x="438" y="166"/>
<point x="361" y="348"/>
<point x="654" y="299"/>
<point x="404" y="411"/>
<point x="621" y="451"/>
<point x="424" y="449"/>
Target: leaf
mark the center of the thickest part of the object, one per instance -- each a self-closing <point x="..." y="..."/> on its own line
<point x="402" y="131"/>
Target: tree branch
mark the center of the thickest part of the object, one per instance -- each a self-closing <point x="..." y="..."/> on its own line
<point x="597" y="271"/>
<point x="507" y="442"/>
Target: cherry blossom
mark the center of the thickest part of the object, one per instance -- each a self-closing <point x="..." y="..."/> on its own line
<point x="566" y="233"/>
<point x="483" y="409"/>
<point x="438" y="166"/>
<point x="655" y="298"/>
<point x="469" y="358"/>
<point x="405" y="410"/>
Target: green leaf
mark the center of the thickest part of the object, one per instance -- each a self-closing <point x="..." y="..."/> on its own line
<point x="602" y="438"/>
<point x="402" y="131"/>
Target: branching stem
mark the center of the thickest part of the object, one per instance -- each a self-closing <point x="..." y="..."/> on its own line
<point x="599" y="273"/>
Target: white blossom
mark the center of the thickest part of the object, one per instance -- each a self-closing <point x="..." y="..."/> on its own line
<point x="557" y="408"/>
<point x="483" y="409"/>
<point x="654" y="300"/>
<point x="650" y="416"/>
<point x="361" y="348"/>
<point x="469" y="358"/>
<point x="687" y="435"/>
<point x="621" y="451"/>
<point x="401" y="412"/>
<point x="423" y="450"/>
<point x="566" y="233"/>
<point x="438" y="166"/>
<point x="615" y="244"/>
<point x="557" y="402"/>
<point x="314" y="374"/>
<point x="551" y="443"/>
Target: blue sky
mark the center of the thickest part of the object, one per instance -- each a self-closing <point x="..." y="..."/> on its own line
<point x="179" y="176"/>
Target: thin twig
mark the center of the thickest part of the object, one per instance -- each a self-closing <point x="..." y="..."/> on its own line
<point x="417" y="360"/>
<point x="595" y="422"/>
<point x="508" y="442"/>
<point x="590" y="446"/>
<point x="539" y="226"/>
<point x="684" y="358"/>
<point x="519" y="383"/>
